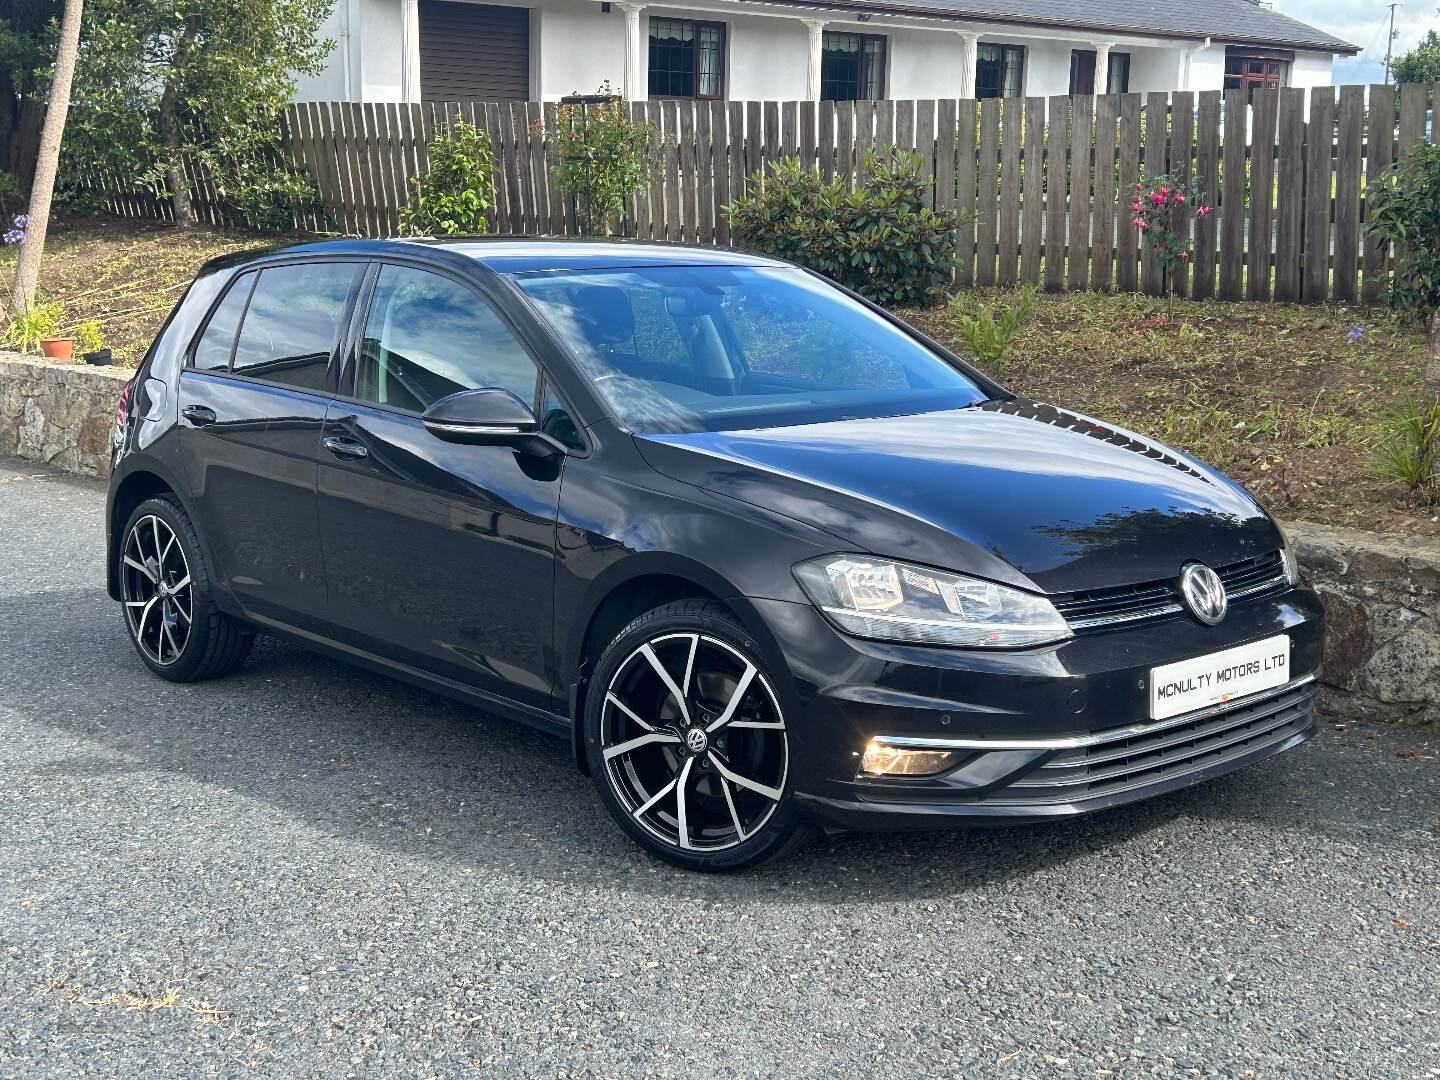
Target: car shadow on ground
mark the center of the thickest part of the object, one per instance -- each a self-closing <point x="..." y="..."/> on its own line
<point x="368" y="759"/>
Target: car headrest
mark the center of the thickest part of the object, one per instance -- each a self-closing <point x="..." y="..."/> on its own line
<point x="606" y="312"/>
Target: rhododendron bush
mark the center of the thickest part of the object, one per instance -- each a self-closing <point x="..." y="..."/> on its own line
<point x="1163" y="209"/>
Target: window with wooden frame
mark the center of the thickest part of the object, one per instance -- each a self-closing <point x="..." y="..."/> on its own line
<point x="687" y="58"/>
<point x="1256" y="69"/>
<point x="852" y="67"/>
<point x="999" y="71"/>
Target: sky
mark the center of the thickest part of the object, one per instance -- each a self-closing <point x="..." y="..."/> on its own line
<point x="1364" y="22"/>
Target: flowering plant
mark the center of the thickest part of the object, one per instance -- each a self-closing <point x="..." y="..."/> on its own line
<point x="1162" y="208"/>
<point x="15" y="234"/>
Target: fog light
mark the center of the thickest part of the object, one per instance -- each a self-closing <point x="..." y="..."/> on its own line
<point x="883" y="760"/>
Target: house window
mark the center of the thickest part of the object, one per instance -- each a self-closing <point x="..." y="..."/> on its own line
<point x="1256" y="69"/>
<point x="852" y="67"/>
<point x="1082" y="72"/>
<point x="687" y="59"/>
<point x="1119" y="73"/>
<point x="999" y="71"/>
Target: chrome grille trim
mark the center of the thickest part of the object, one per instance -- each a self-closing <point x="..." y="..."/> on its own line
<point x="1106" y="608"/>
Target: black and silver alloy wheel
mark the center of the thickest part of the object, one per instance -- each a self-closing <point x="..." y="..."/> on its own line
<point x="168" y="600"/>
<point x="688" y="740"/>
<point x="157" y="590"/>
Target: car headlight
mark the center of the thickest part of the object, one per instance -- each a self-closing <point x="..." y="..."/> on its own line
<point x="891" y="601"/>
<point x="1292" y="567"/>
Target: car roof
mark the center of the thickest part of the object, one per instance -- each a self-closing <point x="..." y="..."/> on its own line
<point x="518" y="255"/>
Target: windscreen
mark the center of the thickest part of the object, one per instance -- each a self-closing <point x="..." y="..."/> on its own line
<point x="721" y="348"/>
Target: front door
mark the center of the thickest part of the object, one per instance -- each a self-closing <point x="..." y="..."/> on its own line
<point x="252" y="401"/>
<point x="438" y="555"/>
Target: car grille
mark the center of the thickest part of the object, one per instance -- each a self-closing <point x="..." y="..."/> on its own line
<point x="1164" y="751"/>
<point x="1101" y="609"/>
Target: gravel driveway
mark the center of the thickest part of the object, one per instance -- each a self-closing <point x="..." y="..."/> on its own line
<point x="308" y="870"/>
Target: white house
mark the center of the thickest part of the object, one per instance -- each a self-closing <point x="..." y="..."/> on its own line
<point x="412" y="50"/>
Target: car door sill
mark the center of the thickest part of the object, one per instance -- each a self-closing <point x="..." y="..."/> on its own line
<point x="540" y="719"/>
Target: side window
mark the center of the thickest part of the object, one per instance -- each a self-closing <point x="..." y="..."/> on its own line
<point x="212" y="351"/>
<point x="427" y="337"/>
<point x="292" y="323"/>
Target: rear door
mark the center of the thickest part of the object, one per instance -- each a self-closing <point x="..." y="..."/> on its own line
<point x="440" y="556"/>
<point x="252" y="402"/>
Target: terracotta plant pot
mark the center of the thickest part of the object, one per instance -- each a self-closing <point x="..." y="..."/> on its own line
<point x="58" y="348"/>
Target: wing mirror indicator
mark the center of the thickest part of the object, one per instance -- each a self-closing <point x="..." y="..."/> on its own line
<point x="489" y="417"/>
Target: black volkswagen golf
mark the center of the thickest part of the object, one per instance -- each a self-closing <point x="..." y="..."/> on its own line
<point x="771" y="559"/>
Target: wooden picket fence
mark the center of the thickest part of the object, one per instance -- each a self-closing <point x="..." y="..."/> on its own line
<point x="1050" y="179"/>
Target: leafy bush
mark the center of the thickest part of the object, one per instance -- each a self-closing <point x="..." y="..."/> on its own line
<point x="879" y="239"/>
<point x="454" y="197"/>
<point x="40" y="322"/>
<point x="1411" y="456"/>
<point x="601" y="157"/>
<point x="1405" y="211"/>
<point x="11" y="197"/>
<point x="988" y="332"/>
<point x="89" y="337"/>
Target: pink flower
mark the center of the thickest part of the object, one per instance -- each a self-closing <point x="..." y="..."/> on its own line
<point x="1179" y="199"/>
<point x="1205" y="211"/>
<point x="1139" y="187"/>
<point x="1184" y="256"/>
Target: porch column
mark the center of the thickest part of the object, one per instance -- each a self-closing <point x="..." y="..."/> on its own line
<point x="817" y="53"/>
<point x="635" y="88"/>
<point x="410" y="50"/>
<point x="1102" y="66"/>
<point x="969" y="53"/>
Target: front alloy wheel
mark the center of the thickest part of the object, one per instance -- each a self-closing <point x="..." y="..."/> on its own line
<point x="689" y="742"/>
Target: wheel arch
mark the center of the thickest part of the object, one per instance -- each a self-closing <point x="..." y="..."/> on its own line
<point x="628" y="590"/>
<point x="138" y="484"/>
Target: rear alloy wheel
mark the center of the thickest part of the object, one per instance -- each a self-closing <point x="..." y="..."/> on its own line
<point x="158" y="591"/>
<point x="688" y="740"/>
<point x="170" y="610"/>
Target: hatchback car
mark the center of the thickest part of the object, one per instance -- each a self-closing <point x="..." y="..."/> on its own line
<point x="770" y="558"/>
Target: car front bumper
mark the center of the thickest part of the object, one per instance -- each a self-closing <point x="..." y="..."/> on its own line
<point x="1041" y="733"/>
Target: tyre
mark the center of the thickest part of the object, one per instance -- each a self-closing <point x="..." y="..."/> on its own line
<point x="687" y="744"/>
<point x="169" y="605"/>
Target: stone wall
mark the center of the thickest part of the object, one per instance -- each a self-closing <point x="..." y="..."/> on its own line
<point x="1382" y="599"/>
<point x="1382" y="592"/>
<point x="58" y="412"/>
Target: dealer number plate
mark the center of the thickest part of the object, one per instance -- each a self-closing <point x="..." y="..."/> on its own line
<point x="1219" y="677"/>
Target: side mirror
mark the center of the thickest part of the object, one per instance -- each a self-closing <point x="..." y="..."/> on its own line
<point x="489" y="417"/>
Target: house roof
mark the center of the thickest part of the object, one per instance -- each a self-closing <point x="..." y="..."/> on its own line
<point x="1241" y="22"/>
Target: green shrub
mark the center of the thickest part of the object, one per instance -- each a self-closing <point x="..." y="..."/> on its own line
<point x="11" y="197"/>
<point x="601" y="158"/>
<point x="89" y="337"/>
<point x="1405" y="212"/>
<point x="455" y="195"/>
<point x="1411" y="455"/>
<point x="986" y="331"/>
<point x="40" y="322"/>
<point x="879" y="239"/>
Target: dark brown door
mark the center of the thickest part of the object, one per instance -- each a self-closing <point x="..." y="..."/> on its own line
<point x="474" y="52"/>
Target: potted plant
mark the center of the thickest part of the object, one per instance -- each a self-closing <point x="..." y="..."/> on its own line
<point x="37" y="329"/>
<point x="90" y="343"/>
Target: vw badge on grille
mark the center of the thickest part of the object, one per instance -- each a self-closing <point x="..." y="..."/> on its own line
<point x="1203" y="593"/>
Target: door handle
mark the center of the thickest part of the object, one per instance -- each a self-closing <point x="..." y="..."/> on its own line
<point x="344" y="448"/>
<point x="199" y="415"/>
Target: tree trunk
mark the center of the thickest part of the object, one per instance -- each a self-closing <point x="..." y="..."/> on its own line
<point x="47" y="162"/>
<point x="174" y="174"/>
